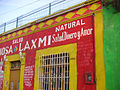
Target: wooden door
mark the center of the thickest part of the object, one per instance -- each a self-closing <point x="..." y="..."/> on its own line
<point x="15" y="75"/>
<point x="14" y="79"/>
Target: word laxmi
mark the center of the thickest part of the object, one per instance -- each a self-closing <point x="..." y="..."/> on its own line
<point x="46" y="40"/>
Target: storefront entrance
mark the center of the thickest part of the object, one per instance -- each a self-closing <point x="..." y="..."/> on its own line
<point x="15" y="76"/>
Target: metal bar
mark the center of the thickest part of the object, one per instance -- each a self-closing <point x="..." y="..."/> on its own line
<point x="67" y="70"/>
<point x="56" y="71"/>
<point x="64" y="72"/>
<point x="17" y="22"/>
<point x="49" y="70"/>
<point x="39" y="71"/>
<point x="49" y="8"/>
<point x="57" y="2"/>
<point x="44" y="72"/>
<point x="4" y="27"/>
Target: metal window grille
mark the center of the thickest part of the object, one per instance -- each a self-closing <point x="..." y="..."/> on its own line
<point x="15" y="64"/>
<point x="54" y="72"/>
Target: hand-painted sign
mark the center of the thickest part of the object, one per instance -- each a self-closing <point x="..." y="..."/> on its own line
<point x="70" y="31"/>
<point x="28" y="75"/>
<point x="29" y="70"/>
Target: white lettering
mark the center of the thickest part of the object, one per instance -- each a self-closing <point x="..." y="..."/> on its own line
<point x="11" y="50"/>
<point x="65" y="26"/>
<point x="62" y="27"/>
<point x="82" y="23"/>
<point x="66" y="36"/>
<point x="27" y="46"/>
<point x="57" y="29"/>
<point x="6" y="50"/>
<point x="33" y="43"/>
<point x="73" y="24"/>
<point x="78" y="23"/>
<point x="20" y="47"/>
<point x="19" y="40"/>
<point x="41" y="41"/>
<point x="49" y="40"/>
<point x="70" y="25"/>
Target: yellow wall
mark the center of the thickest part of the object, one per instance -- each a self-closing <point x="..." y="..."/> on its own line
<point x="72" y="50"/>
<point x="7" y="70"/>
<point x="100" y="67"/>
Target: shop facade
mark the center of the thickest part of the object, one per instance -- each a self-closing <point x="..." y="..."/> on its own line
<point x="63" y="51"/>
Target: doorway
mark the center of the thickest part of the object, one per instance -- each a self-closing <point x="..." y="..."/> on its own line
<point x="15" y="75"/>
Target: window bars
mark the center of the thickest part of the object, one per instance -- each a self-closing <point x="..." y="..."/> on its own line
<point x="54" y="72"/>
<point x="15" y="64"/>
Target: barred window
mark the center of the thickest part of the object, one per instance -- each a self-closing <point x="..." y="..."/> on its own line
<point x="15" y="64"/>
<point x="54" y="72"/>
